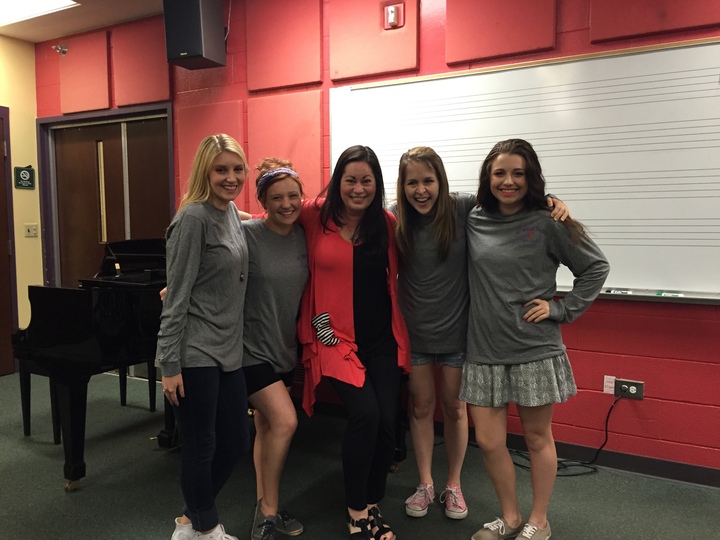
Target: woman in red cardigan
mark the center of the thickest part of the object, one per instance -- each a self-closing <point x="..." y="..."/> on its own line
<point x="351" y="328"/>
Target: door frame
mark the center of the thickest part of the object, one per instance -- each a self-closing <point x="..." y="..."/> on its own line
<point x="46" y="169"/>
<point x="5" y="116"/>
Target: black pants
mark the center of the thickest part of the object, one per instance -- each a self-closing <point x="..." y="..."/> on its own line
<point x="369" y="443"/>
<point x="213" y="423"/>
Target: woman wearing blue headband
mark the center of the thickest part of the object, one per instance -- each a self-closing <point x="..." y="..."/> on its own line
<point x="276" y="280"/>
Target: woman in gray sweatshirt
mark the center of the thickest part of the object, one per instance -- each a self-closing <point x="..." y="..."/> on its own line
<point x="515" y="352"/>
<point x="199" y="349"/>
<point x="276" y="281"/>
<point x="434" y="298"/>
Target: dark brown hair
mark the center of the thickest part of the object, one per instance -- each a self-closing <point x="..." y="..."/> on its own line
<point x="372" y="230"/>
<point x="535" y="197"/>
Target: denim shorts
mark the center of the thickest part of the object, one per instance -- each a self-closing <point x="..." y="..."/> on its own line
<point x="446" y="359"/>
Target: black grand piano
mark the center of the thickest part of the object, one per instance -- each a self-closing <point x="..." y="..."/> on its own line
<point x="109" y="322"/>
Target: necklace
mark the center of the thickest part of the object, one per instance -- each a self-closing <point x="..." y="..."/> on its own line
<point x="354" y="235"/>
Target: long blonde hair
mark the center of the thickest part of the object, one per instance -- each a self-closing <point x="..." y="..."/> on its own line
<point x="444" y="221"/>
<point x="198" y="186"/>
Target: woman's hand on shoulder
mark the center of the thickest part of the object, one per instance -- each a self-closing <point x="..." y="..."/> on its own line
<point x="560" y="211"/>
<point x="539" y="310"/>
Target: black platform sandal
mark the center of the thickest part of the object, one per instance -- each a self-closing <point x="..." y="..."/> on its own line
<point x="363" y="524"/>
<point x="378" y="525"/>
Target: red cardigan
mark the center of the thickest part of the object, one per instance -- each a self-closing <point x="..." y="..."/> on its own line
<point x="332" y="291"/>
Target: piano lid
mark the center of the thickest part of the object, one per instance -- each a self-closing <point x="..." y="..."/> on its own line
<point x="133" y="257"/>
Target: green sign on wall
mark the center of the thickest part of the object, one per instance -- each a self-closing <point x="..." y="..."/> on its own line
<point x="24" y="177"/>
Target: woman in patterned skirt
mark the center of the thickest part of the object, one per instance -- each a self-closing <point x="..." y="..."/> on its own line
<point x="515" y="352"/>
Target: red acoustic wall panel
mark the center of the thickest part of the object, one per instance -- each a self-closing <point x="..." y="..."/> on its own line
<point x="490" y="28"/>
<point x="359" y="44"/>
<point x="283" y="43"/>
<point x="84" y="81"/>
<point x="193" y="124"/>
<point x="432" y="36"/>
<point x="613" y="19"/>
<point x="47" y="79"/>
<point x="287" y="126"/>
<point x="140" y="68"/>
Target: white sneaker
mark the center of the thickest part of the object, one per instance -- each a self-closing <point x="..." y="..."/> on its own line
<point x="183" y="532"/>
<point x="218" y="533"/>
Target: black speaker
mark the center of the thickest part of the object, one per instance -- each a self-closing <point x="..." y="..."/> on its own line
<point x="194" y="33"/>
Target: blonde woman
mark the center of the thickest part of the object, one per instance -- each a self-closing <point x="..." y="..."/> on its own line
<point x="200" y="341"/>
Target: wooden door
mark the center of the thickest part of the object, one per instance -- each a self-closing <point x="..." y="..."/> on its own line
<point x="112" y="184"/>
<point x="149" y="178"/>
<point x="89" y="197"/>
<point x="7" y="364"/>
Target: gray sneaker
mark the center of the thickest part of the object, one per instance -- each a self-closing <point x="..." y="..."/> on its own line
<point x="497" y="530"/>
<point x="287" y="524"/>
<point x="263" y="526"/>
<point x="533" y="532"/>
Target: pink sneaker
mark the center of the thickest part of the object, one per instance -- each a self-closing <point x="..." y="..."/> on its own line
<point x="455" y="507"/>
<point x="417" y="504"/>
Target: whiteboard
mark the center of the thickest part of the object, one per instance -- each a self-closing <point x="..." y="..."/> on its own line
<point x="630" y="142"/>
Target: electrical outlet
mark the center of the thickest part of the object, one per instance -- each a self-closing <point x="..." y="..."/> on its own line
<point x="629" y="389"/>
<point x="31" y="230"/>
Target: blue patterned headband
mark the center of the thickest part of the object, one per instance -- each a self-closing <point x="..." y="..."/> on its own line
<point x="272" y="173"/>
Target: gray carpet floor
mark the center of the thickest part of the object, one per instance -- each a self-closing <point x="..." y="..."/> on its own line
<point x="131" y="490"/>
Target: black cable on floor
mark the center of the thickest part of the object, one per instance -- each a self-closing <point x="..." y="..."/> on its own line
<point x="568" y="467"/>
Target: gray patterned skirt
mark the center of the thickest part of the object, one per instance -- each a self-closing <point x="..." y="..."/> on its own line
<point x="530" y="385"/>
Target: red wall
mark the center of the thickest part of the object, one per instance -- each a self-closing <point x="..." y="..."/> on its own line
<point x="674" y="348"/>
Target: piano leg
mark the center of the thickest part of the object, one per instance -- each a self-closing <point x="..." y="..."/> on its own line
<point x="152" y="383"/>
<point x="72" y="401"/>
<point x="401" y="420"/>
<point x="27" y="368"/>
<point x="55" y="411"/>
<point x="123" y="370"/>
<point x="25" y="395"/>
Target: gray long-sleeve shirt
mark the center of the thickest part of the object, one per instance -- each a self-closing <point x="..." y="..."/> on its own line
<point x="276" y="281"/>
<point x="433" y="295"/>
<point x="207" y="263"/>
<point x="511" y="260"/>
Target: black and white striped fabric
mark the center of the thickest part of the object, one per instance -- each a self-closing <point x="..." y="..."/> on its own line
<point x="325" y="334"/>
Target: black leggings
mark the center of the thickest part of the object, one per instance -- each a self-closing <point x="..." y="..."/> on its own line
<point x="369" y="443"/>
<point x="213" y="423"/>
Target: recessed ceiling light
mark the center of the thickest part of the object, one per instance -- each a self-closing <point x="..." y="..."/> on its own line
<point x="18" y="11"/>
